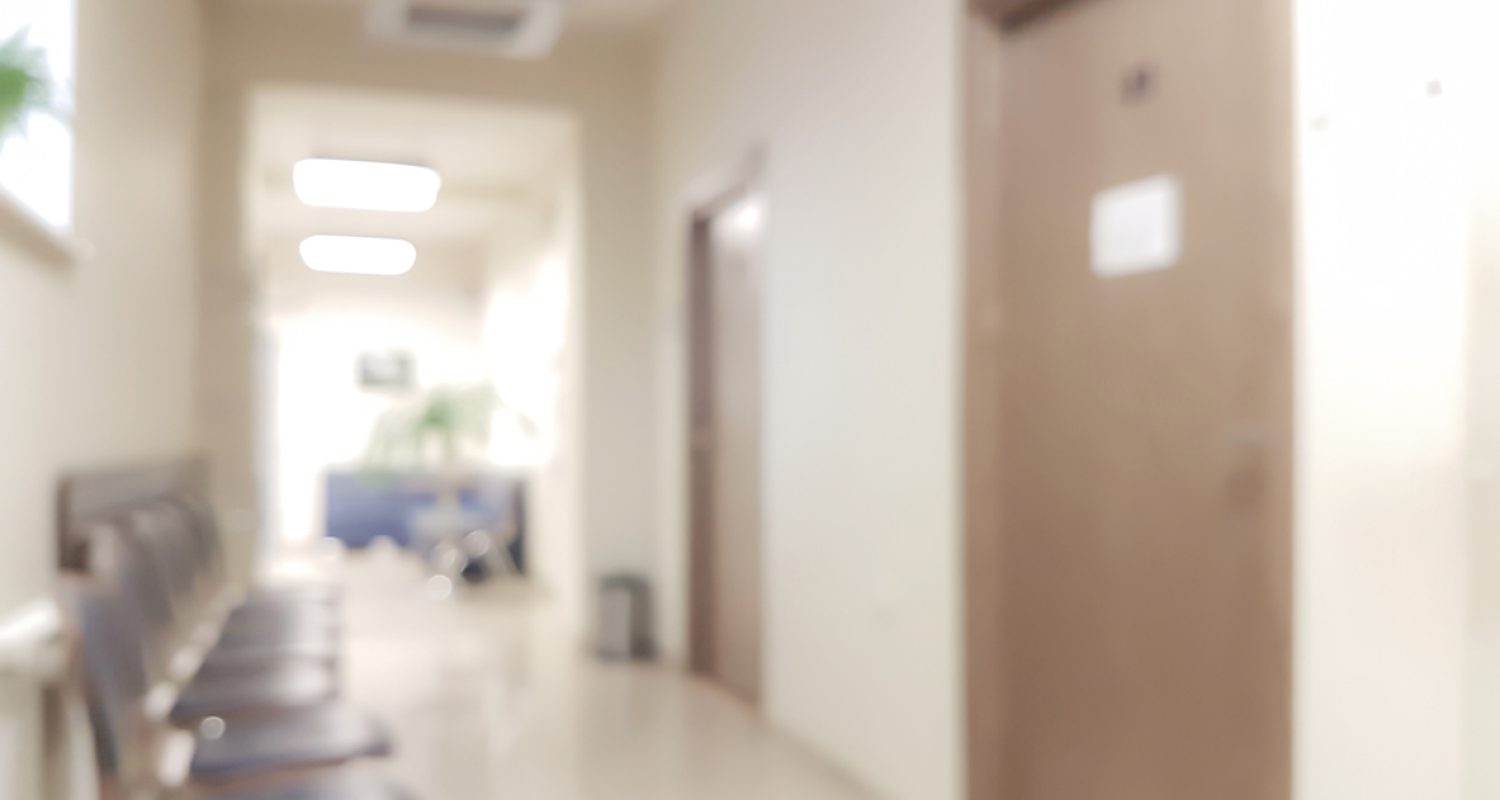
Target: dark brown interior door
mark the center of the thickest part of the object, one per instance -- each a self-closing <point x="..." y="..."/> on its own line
<point x="726" y="440"/>
<point x="1142" y="444"/>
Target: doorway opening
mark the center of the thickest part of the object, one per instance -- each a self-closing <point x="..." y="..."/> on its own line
<point x="429" y="406"/>
<point x="725" y="543"/>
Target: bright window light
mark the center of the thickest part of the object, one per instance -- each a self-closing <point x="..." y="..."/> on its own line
<point x="359" y="255"/>
<point x="36" y="155"/>
<point x="366" y="185"/>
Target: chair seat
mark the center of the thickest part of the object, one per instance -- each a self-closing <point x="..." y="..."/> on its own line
<point x="235" y="653"/>
<point x="249" y="659"/>
<point x="262" y="615"/>
<point x="278" y="686"/>
<point x="312" y="632"/>
<point x="346" y="784"/>
<point x="326" y="735"/>
<point x="301" y="593"/>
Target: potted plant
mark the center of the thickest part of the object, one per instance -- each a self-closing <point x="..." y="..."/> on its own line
<point x="435" y="431"/>
<point x="25" y="81"/>
<point x="442" y="436"/>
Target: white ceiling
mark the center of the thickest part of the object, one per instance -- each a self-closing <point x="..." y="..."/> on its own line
<point x="502" y="168"/>
<point x="469" y="143"/>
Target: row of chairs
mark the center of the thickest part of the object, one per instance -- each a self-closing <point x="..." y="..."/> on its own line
<point x="198" y="693"/>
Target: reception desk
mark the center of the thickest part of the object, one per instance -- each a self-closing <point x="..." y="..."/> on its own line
<point x="362" y="508"/>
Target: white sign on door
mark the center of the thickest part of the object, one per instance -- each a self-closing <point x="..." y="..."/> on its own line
<point x="1137" y="227"/>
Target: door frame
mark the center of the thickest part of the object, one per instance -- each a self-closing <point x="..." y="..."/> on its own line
<point x="982" y="546"/>
<point x="704" y="200"/>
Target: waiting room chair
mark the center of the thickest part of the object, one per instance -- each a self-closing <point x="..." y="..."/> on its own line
<point x="242" y="688"/>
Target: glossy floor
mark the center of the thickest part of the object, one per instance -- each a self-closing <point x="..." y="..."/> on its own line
<point x="489" y="701"/>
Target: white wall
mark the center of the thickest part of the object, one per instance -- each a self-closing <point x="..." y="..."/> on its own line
<point x="1481" y="68"/>
<point x="599" y="82"/>
<point x="1482" y="684"/>
<point x="321" y="324"/>
<point x="97" y="358"/>
<point x="1381" y="548"/>
<point x="857" y="110"/>
<point x="532" y="335"/>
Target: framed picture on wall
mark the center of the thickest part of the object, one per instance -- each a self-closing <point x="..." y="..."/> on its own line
<point x="387" y="371"/>
<point x="38" y="52"/>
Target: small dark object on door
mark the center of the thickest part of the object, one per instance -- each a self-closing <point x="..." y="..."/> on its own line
<point x="1139" y="84"/>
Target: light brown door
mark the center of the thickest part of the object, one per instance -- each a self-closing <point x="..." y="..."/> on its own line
<point x="1133" y="609"/>
<point x="726" y="441"/>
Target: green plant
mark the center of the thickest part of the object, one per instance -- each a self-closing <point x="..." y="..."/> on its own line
<point x="25" y="81"/>
<point x="436" y="430"/>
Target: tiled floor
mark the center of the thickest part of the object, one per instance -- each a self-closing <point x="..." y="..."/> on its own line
<point x="490" y="703"/>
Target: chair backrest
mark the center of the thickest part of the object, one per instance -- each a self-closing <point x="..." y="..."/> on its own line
<point x="114" y="673"/>
<point x="121" y="561"/>
<point x="87" y="497"/>
<point x="204" y="535"/>
<point x="161" y="531"/>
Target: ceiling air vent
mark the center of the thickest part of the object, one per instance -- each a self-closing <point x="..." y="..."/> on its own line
<point x="504" y="28"/>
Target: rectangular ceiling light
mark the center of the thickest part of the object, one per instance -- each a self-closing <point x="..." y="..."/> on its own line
<point x="359" y="255"/>
<point x="366" y="185"/>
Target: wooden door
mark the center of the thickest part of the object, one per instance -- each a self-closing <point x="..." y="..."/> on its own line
<point x="726" y="441"/>
<point x="1129" y="488"/>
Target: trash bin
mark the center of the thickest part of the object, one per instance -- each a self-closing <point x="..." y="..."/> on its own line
<point x="624" y="618"/>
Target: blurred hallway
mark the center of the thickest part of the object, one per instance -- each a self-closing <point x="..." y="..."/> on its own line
<point x="492" y="702"/>
<point x="915" y="399"/>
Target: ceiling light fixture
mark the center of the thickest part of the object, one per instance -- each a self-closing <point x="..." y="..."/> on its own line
<point x="358" y="255"/>
<point x="366" y="185"/>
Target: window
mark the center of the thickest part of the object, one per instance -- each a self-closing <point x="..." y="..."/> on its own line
<point x="36" y="157"/>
